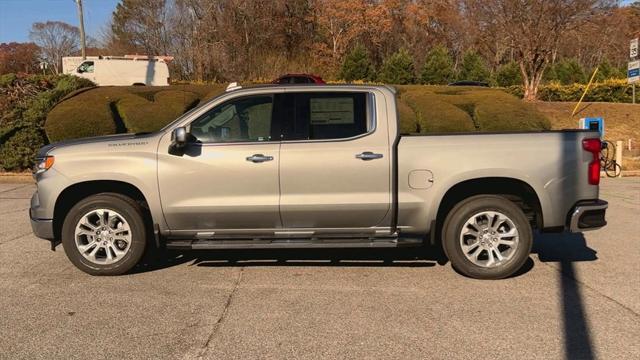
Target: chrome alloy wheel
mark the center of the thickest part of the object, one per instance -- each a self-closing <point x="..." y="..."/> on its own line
<point x="103" y="236"/>
<point x="489" y="239"/>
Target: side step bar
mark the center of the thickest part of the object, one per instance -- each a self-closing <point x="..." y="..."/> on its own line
<point x="291" y="243"/>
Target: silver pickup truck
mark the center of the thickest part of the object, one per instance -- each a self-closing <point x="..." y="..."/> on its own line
<point x="313" y="166"/>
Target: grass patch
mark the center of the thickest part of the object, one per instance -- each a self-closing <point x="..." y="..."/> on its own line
<point x="621" y="122"/>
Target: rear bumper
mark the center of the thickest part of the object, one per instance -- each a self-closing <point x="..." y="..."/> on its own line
<point x="588" y="215"/>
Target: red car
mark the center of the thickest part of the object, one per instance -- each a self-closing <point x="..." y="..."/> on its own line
<point x="298" y="79"/>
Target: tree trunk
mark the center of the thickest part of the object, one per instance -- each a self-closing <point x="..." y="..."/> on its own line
<point x="530" y="91"/>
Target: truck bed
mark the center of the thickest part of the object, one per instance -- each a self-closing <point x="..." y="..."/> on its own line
<point x="552" y="163"/>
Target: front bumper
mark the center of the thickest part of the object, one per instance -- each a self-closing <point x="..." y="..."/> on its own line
<point x="588" y="215"/>
<point x="42" y="228"/>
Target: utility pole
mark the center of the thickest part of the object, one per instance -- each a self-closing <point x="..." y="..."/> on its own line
<point x="83" y="43"/>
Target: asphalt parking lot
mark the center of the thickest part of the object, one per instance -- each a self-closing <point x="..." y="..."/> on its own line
<point x="578" y="298"/>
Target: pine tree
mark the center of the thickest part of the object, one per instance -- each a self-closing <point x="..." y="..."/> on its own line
<point x="357" y="65"/>
<point x="607" y="71"/>
<point x="508" y="75"/>
<point x="474" y="68"/>
<point x="398" y="68"/>
<point x="438" y="67"/>
<point x="566" y="72"/>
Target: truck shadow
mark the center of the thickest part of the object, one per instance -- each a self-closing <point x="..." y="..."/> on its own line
<point x="550" y="248"/>
<point x="389" y="257"/>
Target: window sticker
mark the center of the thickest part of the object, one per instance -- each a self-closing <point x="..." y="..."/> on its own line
<point x="331" y="111"/>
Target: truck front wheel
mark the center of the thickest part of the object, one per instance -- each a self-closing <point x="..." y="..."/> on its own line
<point x="104" y="234"/>
<point x="487" y="237"/>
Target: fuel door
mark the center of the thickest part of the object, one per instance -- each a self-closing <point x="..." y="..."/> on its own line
<point x="420" y="179"/>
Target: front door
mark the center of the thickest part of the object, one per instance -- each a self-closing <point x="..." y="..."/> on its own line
<point x="335" y="163"/>
<point x="228" y="176"/>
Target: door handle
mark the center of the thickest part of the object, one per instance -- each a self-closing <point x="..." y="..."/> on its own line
<point x="258" y="158"/>
<point x="368" y="155"/>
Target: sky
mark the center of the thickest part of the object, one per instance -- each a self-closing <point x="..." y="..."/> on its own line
<point x="16" y="16"/>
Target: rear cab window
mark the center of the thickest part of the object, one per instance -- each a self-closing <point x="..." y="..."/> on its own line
<point x="325" y="115"/>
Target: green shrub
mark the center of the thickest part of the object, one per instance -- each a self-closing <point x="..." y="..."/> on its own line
<point x="613" y="90"/>
<point x="357" y="65"/>
<point x="508" y="75"/>
<point x="6" y="80"/>
<point x="566" y="72"/>
<point x="438" y="67"/>
<point x="19" y="151"/>
<point x="473" y="68"/>
<point x="24" y="103"/>
<point x="398" y="69"/>
<point x="606" y="71"/>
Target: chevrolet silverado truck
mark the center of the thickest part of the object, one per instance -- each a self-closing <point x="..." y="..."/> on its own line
<point x="313" y="166"/>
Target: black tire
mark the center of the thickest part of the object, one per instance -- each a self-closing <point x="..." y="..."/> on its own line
<point x="466" y="209"/>
<point x="129" y="209"/>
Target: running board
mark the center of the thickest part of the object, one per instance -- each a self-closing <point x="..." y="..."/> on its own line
<point x="291" y="243"/>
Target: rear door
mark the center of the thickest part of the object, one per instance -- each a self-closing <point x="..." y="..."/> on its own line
<point x="335" y="164"/>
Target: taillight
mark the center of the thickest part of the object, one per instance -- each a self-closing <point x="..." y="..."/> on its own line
<point x="593" y="146"/>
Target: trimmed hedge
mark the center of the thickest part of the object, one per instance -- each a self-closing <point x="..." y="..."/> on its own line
<point x="87" y="114"/>
<point x="463" y="109"/>
<point x="124" y="109"/>
<point x="613" y="90"/>
<point x="422" y="109"/>
<point x="141" y="115"/>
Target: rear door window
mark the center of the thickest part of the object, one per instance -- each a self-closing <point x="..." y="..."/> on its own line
<point x="320" y="116"/>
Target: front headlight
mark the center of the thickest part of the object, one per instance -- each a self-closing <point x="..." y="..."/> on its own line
<point x="43" y="164"/>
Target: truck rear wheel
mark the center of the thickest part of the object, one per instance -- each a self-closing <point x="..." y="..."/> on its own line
<point x="487" y="237"/>
<point x="104" y="234"/>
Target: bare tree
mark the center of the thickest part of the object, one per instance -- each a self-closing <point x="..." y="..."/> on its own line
<point x="532" y="29"/>
<point x="55" y="39"/>
<point x="142" y="24"/>
<point x="258" y="39"/>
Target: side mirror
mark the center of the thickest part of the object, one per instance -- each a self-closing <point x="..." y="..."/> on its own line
<point x="179" y="138"/>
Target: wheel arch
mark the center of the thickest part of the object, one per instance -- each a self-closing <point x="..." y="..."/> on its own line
<point x="516" y="190"/>
<point x="72" y="194"/>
